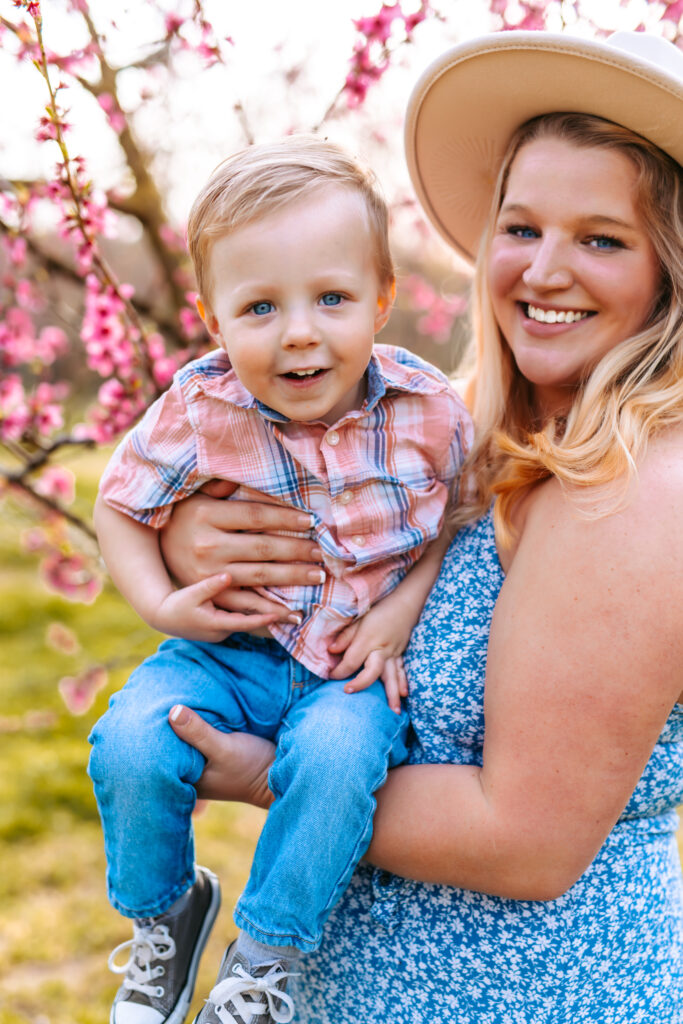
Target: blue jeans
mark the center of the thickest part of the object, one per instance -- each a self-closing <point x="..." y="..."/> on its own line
<point x="333" y="752"/>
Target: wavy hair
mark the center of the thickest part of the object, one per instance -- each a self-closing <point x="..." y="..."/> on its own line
<point x="635" y="390"/>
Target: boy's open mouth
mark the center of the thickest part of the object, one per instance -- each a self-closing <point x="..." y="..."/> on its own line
<point x="303" y="374"/>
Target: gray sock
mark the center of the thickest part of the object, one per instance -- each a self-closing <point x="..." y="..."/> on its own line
<point x="175" y="908"/>
<point x="259" y="953"/>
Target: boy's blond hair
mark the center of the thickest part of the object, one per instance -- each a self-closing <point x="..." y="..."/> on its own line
<point x="261" y="179"/>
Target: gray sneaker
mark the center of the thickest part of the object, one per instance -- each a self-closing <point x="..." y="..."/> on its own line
<point x="164" y="956"/>
<point x="248" y="995"/>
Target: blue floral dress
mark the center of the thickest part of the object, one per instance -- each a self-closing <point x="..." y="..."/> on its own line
<point x="609" y="951"/>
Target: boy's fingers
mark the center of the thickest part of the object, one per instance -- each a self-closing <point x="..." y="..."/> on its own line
<point x="209" y="587"/>
<point x="343" y="639"/>
<point x="374" y="666"/>
<point x="218" y="488"/>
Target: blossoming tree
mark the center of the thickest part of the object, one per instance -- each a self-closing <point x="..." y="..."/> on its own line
<point x="77" y="377"/>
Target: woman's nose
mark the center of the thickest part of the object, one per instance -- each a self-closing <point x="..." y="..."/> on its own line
<point x="549" y="267"/>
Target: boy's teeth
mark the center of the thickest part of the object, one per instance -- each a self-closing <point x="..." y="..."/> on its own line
<point x="303" y="373"/>
<point x="554" y="316"/>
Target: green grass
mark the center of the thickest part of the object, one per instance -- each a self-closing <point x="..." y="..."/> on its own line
<point x="56" y="927"/>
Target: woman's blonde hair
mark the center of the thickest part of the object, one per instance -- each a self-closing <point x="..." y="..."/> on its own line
<point x="635" y="389"/>
<point x="257" y="181"/>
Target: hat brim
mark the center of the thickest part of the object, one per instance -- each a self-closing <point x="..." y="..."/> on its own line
<point x="467" y="104"/>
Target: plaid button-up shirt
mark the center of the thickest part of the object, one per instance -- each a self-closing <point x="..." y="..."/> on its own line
<point x="376" y="481"/>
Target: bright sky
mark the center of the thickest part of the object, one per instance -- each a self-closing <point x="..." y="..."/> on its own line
<point x="191" y="126"/>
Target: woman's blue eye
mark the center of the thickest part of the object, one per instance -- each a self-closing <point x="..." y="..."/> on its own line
<point x="331" y="299"/>
<point x="261" y="308"/>
<point x="605" y="242"/>
<point x="521" y="232"/>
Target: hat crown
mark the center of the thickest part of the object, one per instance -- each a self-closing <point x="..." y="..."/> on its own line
<point x="654" y="49"/>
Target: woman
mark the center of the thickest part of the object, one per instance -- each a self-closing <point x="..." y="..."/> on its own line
<point x="528" y="872"/>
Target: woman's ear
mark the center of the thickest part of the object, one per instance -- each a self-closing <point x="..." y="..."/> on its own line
<point x="385" y="304"/>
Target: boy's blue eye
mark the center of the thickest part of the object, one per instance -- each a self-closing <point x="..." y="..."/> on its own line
<point x="331" y="299"/>
<point x="262" y="308"/>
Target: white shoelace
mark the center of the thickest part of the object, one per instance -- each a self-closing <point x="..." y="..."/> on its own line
<point x="233" y="989"/>
<point x="148" y="944"/>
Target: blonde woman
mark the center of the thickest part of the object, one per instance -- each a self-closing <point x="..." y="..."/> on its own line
<point x="524" y="866"/>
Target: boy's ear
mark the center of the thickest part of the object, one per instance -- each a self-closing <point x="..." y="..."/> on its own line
<point x="385" y="303"/>
<point x="210" y="321"/>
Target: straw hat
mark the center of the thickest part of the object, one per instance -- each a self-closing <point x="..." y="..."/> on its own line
<point x="468" y="103"/>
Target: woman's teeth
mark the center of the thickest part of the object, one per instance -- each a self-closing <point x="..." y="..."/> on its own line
<point x="555" y="316"/>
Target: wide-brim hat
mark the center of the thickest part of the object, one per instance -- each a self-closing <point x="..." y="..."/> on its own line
<point x="468" y="103"/>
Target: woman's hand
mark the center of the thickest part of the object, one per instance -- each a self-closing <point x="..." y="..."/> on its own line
<point x="206" y="535"/>
<point x="237" y="763"/>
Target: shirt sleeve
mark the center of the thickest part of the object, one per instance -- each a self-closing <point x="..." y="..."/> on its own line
<point x="448" y="466"/>
<point x="155" y="464"/>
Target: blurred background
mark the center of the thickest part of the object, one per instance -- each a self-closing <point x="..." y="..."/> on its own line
<point x="112" y="115"/>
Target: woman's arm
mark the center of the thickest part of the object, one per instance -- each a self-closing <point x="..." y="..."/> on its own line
<point x="585" y="663"/>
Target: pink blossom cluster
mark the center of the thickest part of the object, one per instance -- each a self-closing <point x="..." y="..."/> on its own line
<point x="85" y="214"/>
<point x="191" y="323"/>
<point x="115" y="115"/>
<point x="79" y="692"/>
<point x="117" y="409"/>
<point x="63" y="570"/>
<point x="533" y="14"/>
<point x="195" y="34"/>
<point x="58" y="484"/>
<point x="109" y="338"/>
<point x="163" y="365"/>
<point x="371" y="53"/>
<point x="36" y="414"/>
<point x="19" y="342"/>
<point x="438" y="311"/>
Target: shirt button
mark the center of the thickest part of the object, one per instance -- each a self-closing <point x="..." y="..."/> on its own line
<point x="332" y="437"/>
<point x="359" y="541"/>
<point x="345" y="497"/>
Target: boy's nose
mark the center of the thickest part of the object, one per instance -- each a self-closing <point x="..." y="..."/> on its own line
<point x="300" y="332"/>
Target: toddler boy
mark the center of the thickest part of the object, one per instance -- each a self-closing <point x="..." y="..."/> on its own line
<point x="297" y="406"/>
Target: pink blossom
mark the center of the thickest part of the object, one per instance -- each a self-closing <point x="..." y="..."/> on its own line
<point x="377" y="28"/>
<point x="174" y="22"/>
<point x="164" y="369"/>
<point x="439" y="311"/>
<point x="70" y="576"/>
<point x="60" y="638"/>
<point x="14" y="412"/>
<point x="115" y="115"/>
<point x="190" y="322"/>
<point x="79" y="692"/>
<point x="57" y="483"/>
<point x="16" y="249"/>
<point x="107" y="336"/>
<point x="47" y="414"/>
<point x="673" y="11"/>
<point x="117" y="410"/>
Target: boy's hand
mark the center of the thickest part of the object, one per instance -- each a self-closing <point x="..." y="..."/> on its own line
<point x="376" y="643"/>
<point x="191" y="614"/>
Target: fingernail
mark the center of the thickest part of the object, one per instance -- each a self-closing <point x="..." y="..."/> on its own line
<point x="176" y="712"/>
<point x="317" y="576"/>
<point x="311" y="522"/>
<point x="295" y="619"/>
<point x="317" y="553"/>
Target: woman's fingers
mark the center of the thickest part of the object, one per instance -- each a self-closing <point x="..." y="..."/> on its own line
<point x="192" y="728"/>
<point x="269" y="574"/>
<point x="237" y="764"/>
